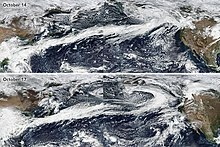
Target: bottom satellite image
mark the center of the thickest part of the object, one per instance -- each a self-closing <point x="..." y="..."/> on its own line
<point x="120" y="110"/>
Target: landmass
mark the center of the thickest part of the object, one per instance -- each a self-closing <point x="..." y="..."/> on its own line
<point x="203" y="111"/>
<point x="16" y="28"/>
<point x="203" y="45"/>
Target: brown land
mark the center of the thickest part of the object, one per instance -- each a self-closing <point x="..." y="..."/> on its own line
<point x="202" y="45"/>
<point x="204" y="111"/>
<point x="16" y="29"/>
<point x="24" y="102"/>
<point x="5" y="33"/>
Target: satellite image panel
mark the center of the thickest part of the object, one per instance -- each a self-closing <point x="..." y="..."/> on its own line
<point x="109" y="110"/>
<point x="109" y="36"/>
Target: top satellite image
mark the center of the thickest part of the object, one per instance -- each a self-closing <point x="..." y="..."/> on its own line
<point x="105" y="73"/>
<point x="109" y="36"/>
